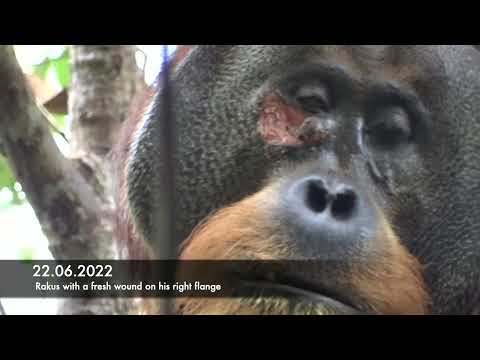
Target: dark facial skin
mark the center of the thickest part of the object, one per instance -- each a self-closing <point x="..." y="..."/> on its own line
<point x="400" y="122"/>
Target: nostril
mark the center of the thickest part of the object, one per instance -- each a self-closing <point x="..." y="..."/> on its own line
<point x="344" y="204"/>
<point x="320" y="198"/>
<point x="317" y="196"/>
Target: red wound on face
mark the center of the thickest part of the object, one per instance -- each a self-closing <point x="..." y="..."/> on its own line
<point x="279" y="122"/>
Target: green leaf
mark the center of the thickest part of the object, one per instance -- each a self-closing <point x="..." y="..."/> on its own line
<point x="60" y="66"/>
<point x="27" y="253"/>
<point x="60" y="121"/>
<point x="7" y="179"/>
<point x="62" y="69"/>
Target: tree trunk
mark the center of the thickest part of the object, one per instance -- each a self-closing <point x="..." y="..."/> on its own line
<point x="104" y="80"/>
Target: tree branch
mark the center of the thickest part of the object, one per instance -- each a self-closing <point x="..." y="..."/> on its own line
<point x="64" y="202"/>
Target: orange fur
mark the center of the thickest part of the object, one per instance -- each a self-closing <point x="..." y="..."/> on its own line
<point x="391" y="283"/>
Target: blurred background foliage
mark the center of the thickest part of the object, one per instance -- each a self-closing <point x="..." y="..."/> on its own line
<point x="47" y="71"/>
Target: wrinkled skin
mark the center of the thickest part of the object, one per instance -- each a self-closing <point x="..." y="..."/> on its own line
<point x="428" y="187"/>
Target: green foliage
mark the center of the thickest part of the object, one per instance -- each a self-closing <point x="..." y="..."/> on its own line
<point x="8" y="181"/>
<point x="6" y="177"/>
<point x="59" y="66"/>
<point x="27" y="253"/>
<point x="60" y="121"/>
<point x="62" y="69"/>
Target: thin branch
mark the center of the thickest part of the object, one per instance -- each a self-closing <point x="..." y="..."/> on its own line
<point x="51" y="124"/>
<point x="145" y="59"/>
